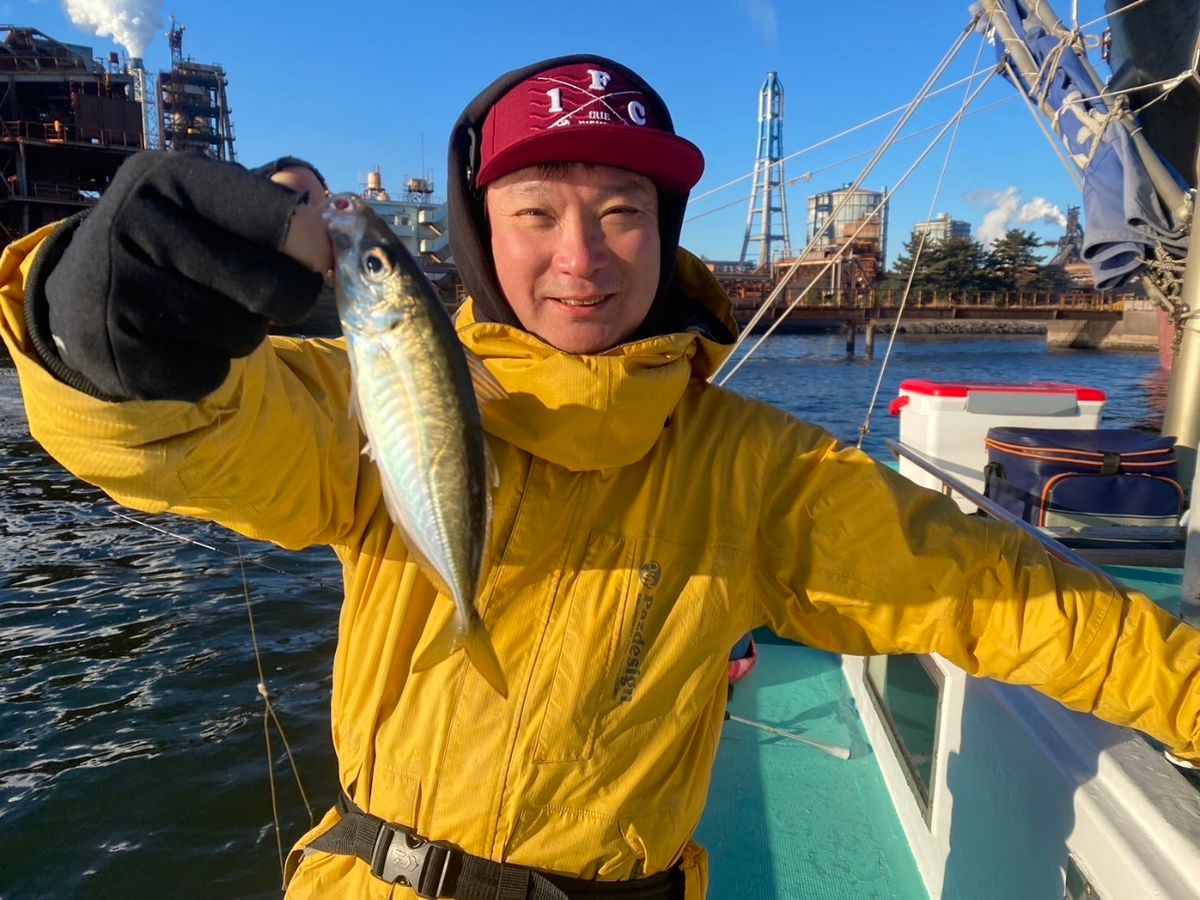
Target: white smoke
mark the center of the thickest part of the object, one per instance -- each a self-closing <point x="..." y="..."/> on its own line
<point x="1007" y="211"/>
<point x="763" y="15"/>
<point x="131" y="23"/>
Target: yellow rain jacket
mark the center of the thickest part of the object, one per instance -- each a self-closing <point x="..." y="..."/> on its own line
<point x="644" y="521"/>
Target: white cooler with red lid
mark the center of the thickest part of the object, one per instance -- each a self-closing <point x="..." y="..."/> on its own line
<point x="949" y="421"/>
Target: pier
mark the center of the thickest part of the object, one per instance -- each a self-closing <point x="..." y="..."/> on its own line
<point x="1086" y="317"/>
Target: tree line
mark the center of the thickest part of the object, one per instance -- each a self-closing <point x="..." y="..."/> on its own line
<point x="963" y="264"/>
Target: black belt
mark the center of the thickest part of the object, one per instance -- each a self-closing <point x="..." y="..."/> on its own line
<point x="436" y="870"/>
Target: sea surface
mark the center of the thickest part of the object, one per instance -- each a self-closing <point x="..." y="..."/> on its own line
<point x="133" y="755"/>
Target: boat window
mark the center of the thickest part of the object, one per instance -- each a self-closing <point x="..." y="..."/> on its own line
<point x="907" y="691"/>
<point x="1078" y="887"/>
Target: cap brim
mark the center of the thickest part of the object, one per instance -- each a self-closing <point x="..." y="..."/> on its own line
<point x="671" y="162"/>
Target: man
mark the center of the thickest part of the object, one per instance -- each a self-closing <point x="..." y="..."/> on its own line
<point x="644" y="521"/>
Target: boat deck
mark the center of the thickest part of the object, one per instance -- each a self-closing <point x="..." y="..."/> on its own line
<point x="785" y="820"/>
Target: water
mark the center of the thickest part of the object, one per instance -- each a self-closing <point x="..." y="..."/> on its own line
<point x="132" y="755"/>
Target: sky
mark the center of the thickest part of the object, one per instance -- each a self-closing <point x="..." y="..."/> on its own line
<point x="357" y="84"/>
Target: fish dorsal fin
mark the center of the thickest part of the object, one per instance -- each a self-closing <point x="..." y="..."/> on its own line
<point x="487" y="388"/>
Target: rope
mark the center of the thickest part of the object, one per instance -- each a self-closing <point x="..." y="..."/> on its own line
<point x="807" y="176"/>
<point x="832" y="138"/>
<point x="865" y="428"/>
<point x="920" y="97"/>
<point x="837" y="256"/>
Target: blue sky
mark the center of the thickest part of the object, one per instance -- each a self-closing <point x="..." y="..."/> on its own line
<point x="359" y="83"/>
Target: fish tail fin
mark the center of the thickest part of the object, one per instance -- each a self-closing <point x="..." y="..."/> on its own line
<point x="473" y="638"/>
<point x="483" y="657"/>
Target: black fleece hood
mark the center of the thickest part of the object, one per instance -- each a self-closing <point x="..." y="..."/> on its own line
<point x="470" y="240"/>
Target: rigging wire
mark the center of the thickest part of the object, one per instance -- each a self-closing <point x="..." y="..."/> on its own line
<point x="835" y="137"/>
<point x="865" y="428"/>
<point x="913" y="105"/>
<point x="1110" y="16"/>
<point x="791" y="182"/>
<point x="837" y="256"/>
<point x="1055" y="144"/>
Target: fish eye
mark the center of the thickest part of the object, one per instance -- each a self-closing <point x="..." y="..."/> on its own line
<point x="376" y="263"/>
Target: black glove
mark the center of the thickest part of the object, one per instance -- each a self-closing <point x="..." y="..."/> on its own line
<point x="175" y="271"/>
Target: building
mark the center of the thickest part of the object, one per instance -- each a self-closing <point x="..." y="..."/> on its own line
<point x="420" y="222"/>
<point x="943" y="228"/>
<point x="67" y="122"/>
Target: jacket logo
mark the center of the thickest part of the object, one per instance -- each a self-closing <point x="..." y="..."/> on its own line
<point x="649" y="576"/>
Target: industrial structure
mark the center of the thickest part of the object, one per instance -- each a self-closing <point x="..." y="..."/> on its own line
<point x="942" y="228"/>
<point x="67" y="122"/>
<point x="420" y="223"/>
<point x="1068" y="252"/>
<point x="852" y="226"/>
<point x="767" y="218"/>
<point x="193" y="107"/>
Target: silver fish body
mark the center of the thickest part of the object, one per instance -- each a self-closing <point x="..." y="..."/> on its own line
<point x="416" y="403"/>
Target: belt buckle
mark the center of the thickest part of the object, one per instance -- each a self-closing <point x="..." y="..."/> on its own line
<point x="400" y="857"/>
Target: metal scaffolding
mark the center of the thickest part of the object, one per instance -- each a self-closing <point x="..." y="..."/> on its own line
<point x="194" y="109"/>
<point x="768" y="202"/>
<point x="66" y="124"/>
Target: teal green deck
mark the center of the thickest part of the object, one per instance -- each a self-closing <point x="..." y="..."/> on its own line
<point x="1160" y="585"/>
<point x="787" y="821"/>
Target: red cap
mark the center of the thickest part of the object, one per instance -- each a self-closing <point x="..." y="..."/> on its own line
<point x="587" y="113"/>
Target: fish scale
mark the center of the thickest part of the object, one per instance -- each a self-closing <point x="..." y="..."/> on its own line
<point x="415" y="397"/>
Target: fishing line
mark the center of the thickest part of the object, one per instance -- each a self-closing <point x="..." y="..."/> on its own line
<point x="269" y="716"/>
<point x="184" y="539"/>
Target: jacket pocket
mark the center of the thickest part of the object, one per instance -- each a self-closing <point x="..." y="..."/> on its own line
<point x="586" y="637"/>
<point x="645" y="630"/>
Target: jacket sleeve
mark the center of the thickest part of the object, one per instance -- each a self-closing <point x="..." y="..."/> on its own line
<point x="272" y="453"/>
<point x="857" y="559"/>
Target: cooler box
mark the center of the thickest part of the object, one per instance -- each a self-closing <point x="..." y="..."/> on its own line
<point x="949" y="421"/>
<point x="1056" y="478"/>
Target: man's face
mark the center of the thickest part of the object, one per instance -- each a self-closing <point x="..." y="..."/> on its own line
<point x="576" y="252"/>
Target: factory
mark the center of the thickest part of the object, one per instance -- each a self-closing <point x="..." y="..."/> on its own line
<point x="68" y="121"/>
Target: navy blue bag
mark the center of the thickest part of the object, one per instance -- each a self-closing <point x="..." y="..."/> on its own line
<point x="1066" y="478"/>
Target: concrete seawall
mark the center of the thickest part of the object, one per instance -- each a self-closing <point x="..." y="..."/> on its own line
<point x="1136" y="330"/>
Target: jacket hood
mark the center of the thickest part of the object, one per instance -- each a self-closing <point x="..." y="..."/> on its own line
<point x="470" y="240"/>
<point x="597" y="412"/>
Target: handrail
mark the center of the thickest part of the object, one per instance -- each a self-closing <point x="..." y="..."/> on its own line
<point x="988" y="505"/>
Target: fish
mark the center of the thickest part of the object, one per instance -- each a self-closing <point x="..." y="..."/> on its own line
<point x="416" y="391"/>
